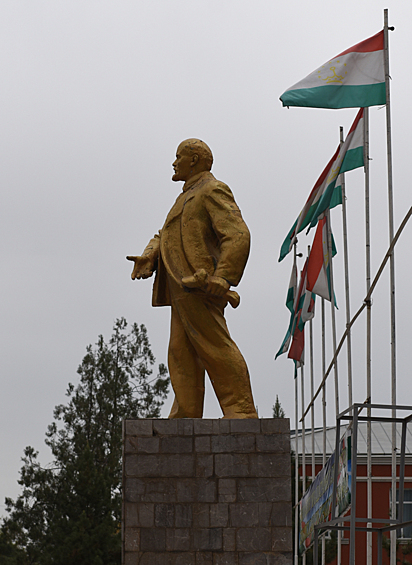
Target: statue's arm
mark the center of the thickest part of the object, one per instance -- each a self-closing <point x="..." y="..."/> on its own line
<point x="232" y="232"/>
<point x="145" y="264"/>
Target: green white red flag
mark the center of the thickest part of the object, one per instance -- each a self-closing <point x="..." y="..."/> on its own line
<point x="303" y="310"/>
<point x="318" y="276"/>
<point x="327" y="192"/>
<point x="355" y="78"/>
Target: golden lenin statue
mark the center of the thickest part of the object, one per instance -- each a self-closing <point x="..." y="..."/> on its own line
<point x="200" y="252"/>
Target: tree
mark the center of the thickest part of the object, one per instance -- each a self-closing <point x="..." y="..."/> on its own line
<point x="278" y="411"/>
<point x="70" y="511"/>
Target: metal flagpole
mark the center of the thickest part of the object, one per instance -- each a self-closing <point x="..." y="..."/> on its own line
<point x="332" y="304"/>
<point x="296" y="472"/>
<point x="323" y="413"/>
<point x="369" y="550"/>
<point x="347" y="294"/>
<point x="302" y="396"/>
<point x="312" y="392"/>
<point x="392" y="280"/>
<point x="296" y="559"/>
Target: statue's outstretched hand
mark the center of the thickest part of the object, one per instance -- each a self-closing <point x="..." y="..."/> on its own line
<point x="217" y="286"/>
<point x="143" y="267"/>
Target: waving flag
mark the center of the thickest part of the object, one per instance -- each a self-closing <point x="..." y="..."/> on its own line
<point x="318" y="277"/>
<point x="303" y="310"/>
<point x="290" y="305"/>
<point x="327" y="192"/>
<point x="352" y="79"/>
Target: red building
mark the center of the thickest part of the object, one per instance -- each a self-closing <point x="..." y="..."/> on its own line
<point x="381" y="484"/>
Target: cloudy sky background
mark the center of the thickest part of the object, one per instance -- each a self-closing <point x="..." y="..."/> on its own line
<point x="95" y="98"/>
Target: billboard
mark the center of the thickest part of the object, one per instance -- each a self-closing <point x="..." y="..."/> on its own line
<point x="316" y="504"/>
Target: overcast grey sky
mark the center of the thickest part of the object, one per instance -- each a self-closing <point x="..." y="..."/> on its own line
<point x="95" y="98"/>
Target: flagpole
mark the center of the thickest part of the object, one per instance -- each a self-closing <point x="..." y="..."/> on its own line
<point x="332" y="304"/>
<point x="347" y="293"/>
<point x="369" y="550"/>
<point x="323" y="413"/>
<point x="392" y="278"/>
<point x="302" y="396"/>
<point x="296" y="559"/>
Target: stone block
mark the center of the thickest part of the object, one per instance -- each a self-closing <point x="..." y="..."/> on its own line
<point x="148" y="444"/>
<point x="231" y="465"/>
<point x="229" y="539"/>
<point x="281" y="539"/>
<point x="225" y="558"/>
<point x="281" y="514"/>
<point x="251" y="426"/>
<point x="176" y="445"/>
<point x="219" y="515"/>
<point x="204" y="465"/>
<point x="142" y="465"/>
<point x="201" y="515"/>
<point x="164" y="427"/>
<point x="244" y="514"/>
<point x="264" y="489"/>
<point x="153" y="539"/>
<point x="178" y="539"/>
<point x="202" y="444"/>
<point x="273" y="443"/>
<point x="131" y="539"/>
<point x="164" y="515"/>
<point x="208" y="539"/>
<point x="139" y="428"/>
<point x="159" y="491"/>
<point x="275" y="426"/>
<point x="181" y="465"/>
<point x="131" y="558"/>
<point x="233" y="444"/>
<point x="204" y="558"/>
<point x="196" y="490"/>
<point x="269" y="465"/>
<point x="254" y="539"/>
<point x="205" y="427"/>
<point x="183" y="515"/>
<point x="185" y="427"/>
<point x="227" y="490"/>
<point x="139" y="515"/>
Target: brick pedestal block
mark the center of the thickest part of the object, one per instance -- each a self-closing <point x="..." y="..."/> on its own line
<point x="207" y="492"/>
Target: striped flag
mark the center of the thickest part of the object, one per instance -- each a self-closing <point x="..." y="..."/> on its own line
<point x="303" y="310"/>
<point x="327" y="192"/>
<point x="352" y="79"/>
<point x="318" y="277"/>
<point x="290" y="305"/>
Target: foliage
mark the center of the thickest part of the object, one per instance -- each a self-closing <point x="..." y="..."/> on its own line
<point x="278" y="411"/>
<point x="69" y="512"/>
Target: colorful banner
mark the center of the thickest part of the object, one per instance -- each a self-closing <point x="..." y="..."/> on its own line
<point x="316" y="503"/>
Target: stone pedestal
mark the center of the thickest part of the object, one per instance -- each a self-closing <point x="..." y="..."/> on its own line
<point x="207" y="492"/>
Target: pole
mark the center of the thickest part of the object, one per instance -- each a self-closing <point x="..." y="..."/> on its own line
<point x="332" y="304"/>
<point x="296" y="559"/>
<point x="323" y="412"/>
<point x="347" y="293"/>
<point x="369" y="550"/>
<point x="392" y="279"/>
<point x="302" y="396"/>
<point x="312" y="392"/>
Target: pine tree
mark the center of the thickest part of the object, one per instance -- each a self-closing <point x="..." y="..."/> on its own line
<point x="69" y="512"/>
<point x="278" y="411"/>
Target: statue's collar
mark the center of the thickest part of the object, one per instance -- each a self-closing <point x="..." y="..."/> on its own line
<point x="193" y="180"/>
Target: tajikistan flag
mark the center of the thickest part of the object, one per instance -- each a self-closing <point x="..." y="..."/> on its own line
<point x="327" y="192"/>
<point x="318" y="275"/>
<point x="354" y="78"/>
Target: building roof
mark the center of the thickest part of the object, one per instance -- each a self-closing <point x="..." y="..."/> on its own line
<point x="381" y="439"/>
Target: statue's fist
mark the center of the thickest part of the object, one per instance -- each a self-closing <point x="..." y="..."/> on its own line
<point x="143" y="267"/>
<point x="217" y="286"/>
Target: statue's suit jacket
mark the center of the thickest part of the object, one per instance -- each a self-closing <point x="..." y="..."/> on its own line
<point x="203" y="230"/>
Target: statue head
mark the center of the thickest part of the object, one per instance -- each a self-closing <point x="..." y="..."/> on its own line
<point x="193" y="156"/>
